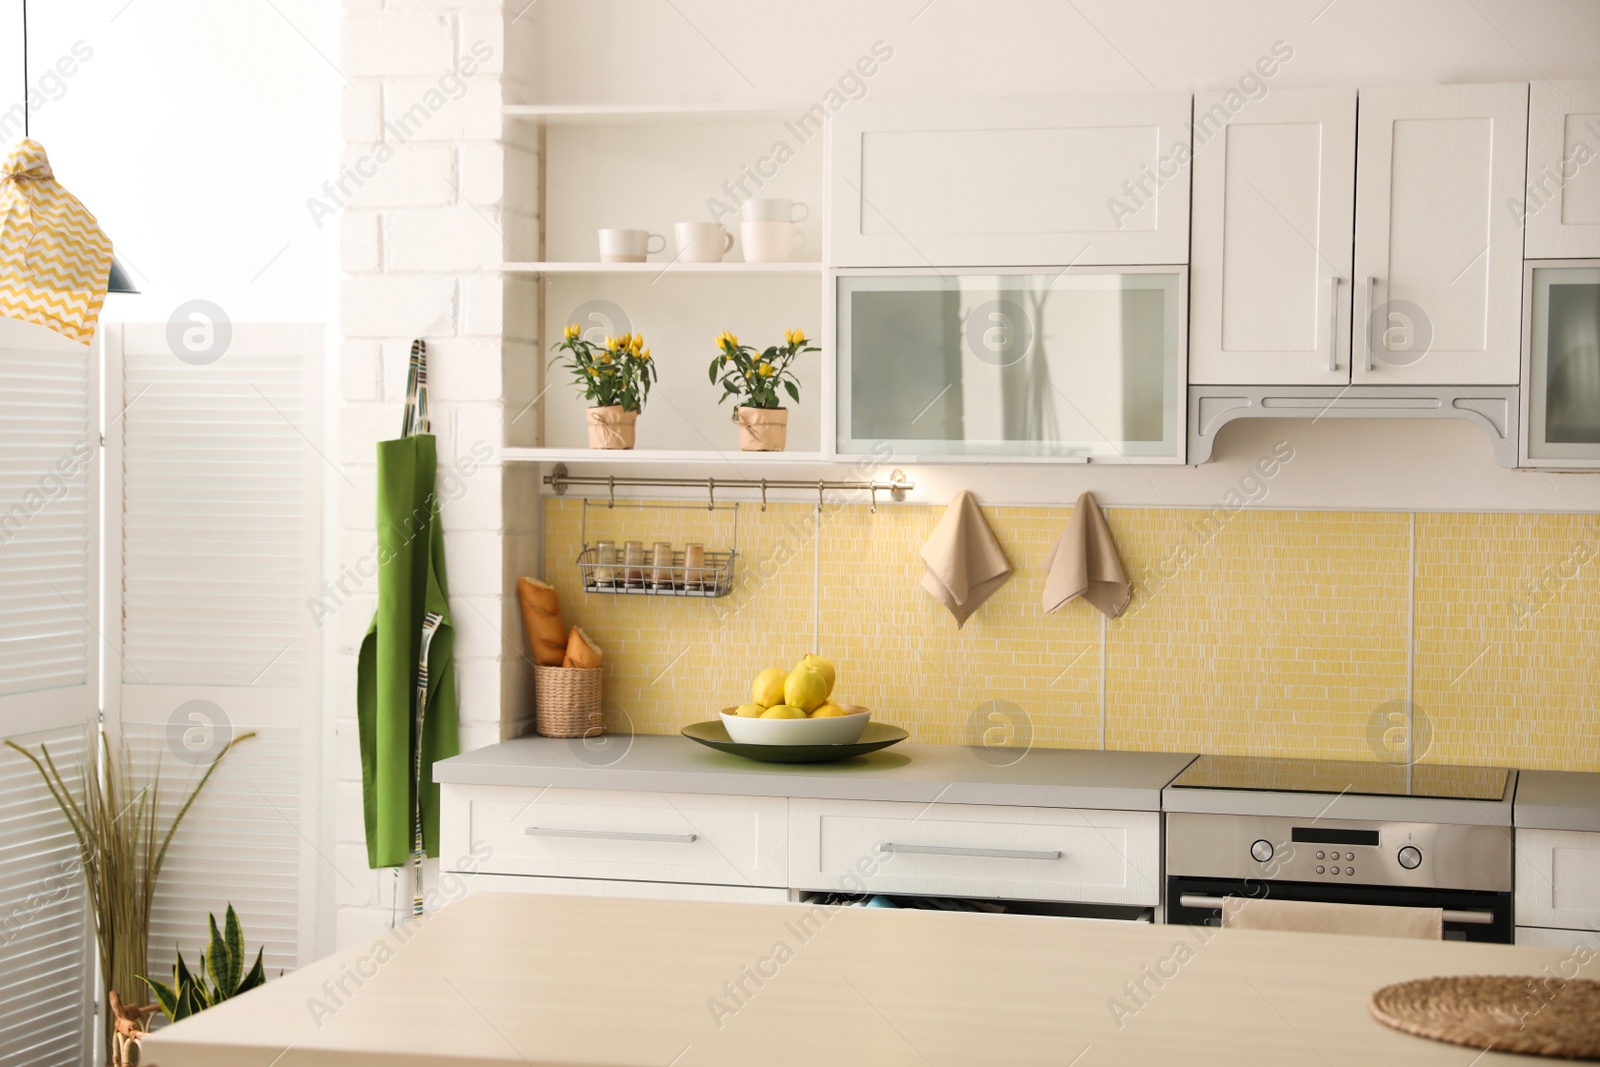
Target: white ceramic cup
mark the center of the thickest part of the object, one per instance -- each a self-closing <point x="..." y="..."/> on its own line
<point x="770" y="242"/>
<point x="702" y="242"/>
<point x="629" y="246"/>
<point x="773" y="209"/>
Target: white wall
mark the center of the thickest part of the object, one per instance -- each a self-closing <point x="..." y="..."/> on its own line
<point x="194" y="131"/>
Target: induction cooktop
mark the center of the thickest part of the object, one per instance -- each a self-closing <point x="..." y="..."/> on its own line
<point x="1347" y="777"/>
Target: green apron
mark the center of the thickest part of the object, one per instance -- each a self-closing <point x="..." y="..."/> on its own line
<point x="398" y="689"/>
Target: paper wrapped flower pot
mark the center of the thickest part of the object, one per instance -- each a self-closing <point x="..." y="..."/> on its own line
<point x="54" y="258"/>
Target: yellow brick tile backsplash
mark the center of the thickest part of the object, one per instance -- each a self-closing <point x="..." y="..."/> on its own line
<point x="1275" y="633"/>
<point x="1508" y="614"/>
<point x="1264" y="632"/>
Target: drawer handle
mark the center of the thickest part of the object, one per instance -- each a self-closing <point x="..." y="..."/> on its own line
<point x="983" y="853"/>
<point x="1476" y="918"/>
<point x="612" y="835"/>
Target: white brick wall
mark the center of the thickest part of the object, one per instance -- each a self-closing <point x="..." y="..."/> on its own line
<point x="427" y="184"/>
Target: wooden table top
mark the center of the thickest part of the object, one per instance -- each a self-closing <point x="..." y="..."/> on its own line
<point x="527" y="979"/>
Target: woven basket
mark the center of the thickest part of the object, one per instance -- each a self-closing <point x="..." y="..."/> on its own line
<point x="567" y="701"/>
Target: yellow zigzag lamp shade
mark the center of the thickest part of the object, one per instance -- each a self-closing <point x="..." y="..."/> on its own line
<point x="54" y="258"/>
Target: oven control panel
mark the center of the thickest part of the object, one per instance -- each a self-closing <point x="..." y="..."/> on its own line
<point x="1436" y="855"/>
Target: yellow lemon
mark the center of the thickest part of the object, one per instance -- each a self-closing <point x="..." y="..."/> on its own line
<point x="805" y="688"/>
<point x="822" y="667"/>
<point x="767" y="690"/>
<point x="829" y="711"/>
<point x="783" y="711"/>
<point x="749" y="711"/>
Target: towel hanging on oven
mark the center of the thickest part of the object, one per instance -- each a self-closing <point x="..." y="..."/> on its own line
<point x="406" y="697"/>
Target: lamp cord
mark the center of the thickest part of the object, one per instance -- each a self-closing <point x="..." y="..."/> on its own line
<point x="26" y="132"/>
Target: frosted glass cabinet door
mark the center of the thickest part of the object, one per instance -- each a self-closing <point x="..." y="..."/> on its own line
<point x="1070" y="366"/>
<point x="1562" y="381"/>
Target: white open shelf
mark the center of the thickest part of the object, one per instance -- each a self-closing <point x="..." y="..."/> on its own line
<point x="661" y="267"/>
<point x="582" y="114"/>
<point x="652" y="455"/>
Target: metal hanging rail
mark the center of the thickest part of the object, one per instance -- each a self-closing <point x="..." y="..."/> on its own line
<point x="559" y="480"/>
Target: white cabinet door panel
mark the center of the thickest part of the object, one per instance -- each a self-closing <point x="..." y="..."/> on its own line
<point x="1558" y="879"/>
<point x="1274" y="189"/>
<point x="1089" y="181"/>
<point x="1563" y="193"/>
<point x="612" y="834"/>
<point x="1438" y="255"/>
<point x="1100" y="857"/>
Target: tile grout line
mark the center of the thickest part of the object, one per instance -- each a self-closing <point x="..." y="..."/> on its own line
<point x="1104" y="625"/>
<point x="1411" y="651"/>
<point x="816" y="581"/>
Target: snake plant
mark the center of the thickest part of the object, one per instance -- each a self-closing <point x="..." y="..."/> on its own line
<point x="224" y="966"/>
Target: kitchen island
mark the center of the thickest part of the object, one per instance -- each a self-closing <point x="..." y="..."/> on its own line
<point x="501" y="980"/>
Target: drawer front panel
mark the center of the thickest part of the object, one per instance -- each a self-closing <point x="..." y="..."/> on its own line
<point x="1104" y="857"/>
<point x="592" y="833"/>
<point x="1576" y="942"/>
<point x="597" y="887"/>
<point x="1558" y="879"/>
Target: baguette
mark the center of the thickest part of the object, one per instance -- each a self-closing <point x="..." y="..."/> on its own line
<point x="541" y="614"/>
<point x="581" y="652"/>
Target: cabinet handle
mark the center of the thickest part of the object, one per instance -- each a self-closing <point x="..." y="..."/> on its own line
<point x="1333" y="327"/>
<point x="1476" y="918"/>
<point x="611" y="835"/>
<point x="1366" y="333"/>
<point x="955" y="850"/>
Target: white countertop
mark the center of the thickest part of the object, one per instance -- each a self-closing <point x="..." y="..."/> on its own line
<point x="514" y="980"/>
<point x="952" y="774"/>
<point x="1558" y="800"/>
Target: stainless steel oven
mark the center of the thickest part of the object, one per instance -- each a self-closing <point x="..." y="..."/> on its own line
<point x="1339" y="832"/>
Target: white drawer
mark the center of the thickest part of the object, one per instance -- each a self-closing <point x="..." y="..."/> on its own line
<point x="1102" y="857"/>
<point x="1558" y="879"/>
<point x="597" y="887"/>
<point x="594" y="833"/>
<point x="1576" y="941"/>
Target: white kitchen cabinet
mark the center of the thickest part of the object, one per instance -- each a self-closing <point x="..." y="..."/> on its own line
<point x="620" y="835"/>
<point x="1068" y="854"/>
<point x="1558" y="879"/>
<point x="1088" y="180"/>
<point x="1274" y="194"/>
<point x="1438" y="256"/>
<point x="1563" y="190"/>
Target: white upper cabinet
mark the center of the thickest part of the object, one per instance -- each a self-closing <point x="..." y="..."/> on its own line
<point x="1088" y="182"/>
<point x="1438" y="260"/>
<point x="1274" y="189"/>
<point x="1563" y="192"/>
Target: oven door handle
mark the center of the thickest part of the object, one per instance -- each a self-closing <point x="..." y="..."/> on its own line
<point x="1475" y="918"/>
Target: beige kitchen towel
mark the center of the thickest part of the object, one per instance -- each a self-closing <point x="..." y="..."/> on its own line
<point x="1319" y="917"/>
<point x="1084" y="562"/>
<point x="965" y="562"/>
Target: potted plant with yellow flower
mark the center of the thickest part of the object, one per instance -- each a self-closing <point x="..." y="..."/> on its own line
<point x="615" y="377"/>
<point x="753" y="377"/>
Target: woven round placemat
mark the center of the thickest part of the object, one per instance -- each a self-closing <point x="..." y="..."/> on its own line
<point x="1545" y="1016"/>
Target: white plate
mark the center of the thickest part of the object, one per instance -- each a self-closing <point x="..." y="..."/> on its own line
<point x="832" y="730"/>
